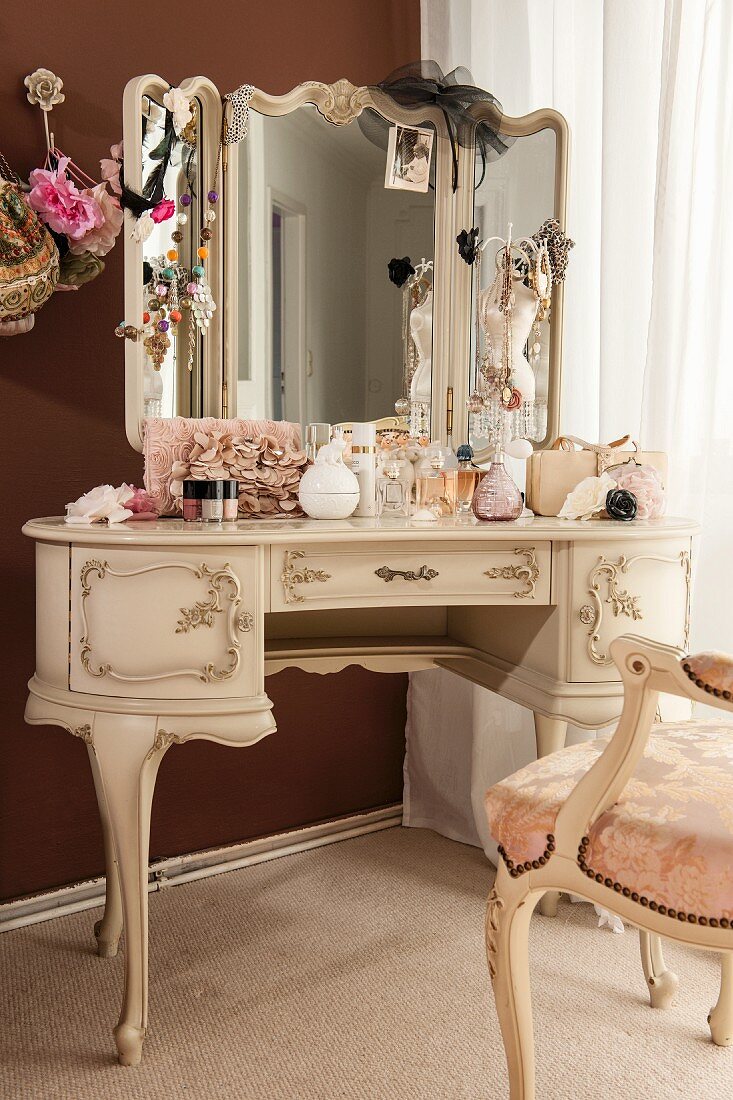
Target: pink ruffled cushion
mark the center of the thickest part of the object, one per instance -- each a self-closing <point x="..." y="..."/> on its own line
<point x="669" y="838"/>
<point x="712" y="671"/>
<point x="166" y="441"/>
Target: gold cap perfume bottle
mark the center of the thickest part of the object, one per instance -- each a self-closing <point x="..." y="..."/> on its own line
<point x="435" y="486"/>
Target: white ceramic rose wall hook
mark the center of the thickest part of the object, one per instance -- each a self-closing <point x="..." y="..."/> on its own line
<point x="44" y="89"/>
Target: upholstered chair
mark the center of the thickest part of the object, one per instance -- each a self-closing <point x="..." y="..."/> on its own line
<point x="641" y="824"/>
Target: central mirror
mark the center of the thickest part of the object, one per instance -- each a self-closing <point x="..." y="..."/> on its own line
<point x="336" y="239"/>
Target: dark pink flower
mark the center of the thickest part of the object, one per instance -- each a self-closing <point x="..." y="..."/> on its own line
<point x="59" y="202"/>
<point x="140" y="502"/>
<point x="165" y="209"/>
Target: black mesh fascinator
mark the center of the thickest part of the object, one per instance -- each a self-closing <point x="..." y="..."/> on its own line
<point x="423" y="84"/>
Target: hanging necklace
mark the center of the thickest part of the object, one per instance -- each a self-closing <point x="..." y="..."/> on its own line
<point x="171" y="286"/>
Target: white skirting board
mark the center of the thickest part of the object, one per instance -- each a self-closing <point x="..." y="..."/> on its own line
<point x="197" y="865"/>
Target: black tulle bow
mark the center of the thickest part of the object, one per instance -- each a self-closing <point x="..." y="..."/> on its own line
<point x="423" y="84"/>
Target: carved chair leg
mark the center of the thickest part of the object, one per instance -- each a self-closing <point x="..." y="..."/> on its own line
<point x="721" y="1017"/>
<point x="128" y="764"/>
<point x="550" y="735"/>
<point x="108" y="929"/>
<point x="663" y="984"/>
<point x="508" y="914"/>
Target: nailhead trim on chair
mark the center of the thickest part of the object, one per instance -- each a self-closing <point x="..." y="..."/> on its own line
<point x="517" y="869"/>
<point x="640" y="899"/>
<point x="718" y="692"/>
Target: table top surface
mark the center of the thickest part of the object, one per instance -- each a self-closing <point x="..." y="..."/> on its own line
<point x="166" y="532"/>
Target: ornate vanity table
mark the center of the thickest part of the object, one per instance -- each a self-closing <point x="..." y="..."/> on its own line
<point x="151" y="634"/>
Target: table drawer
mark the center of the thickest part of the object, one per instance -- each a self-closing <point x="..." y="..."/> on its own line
<point x="167" y="623"/>
<point x="332" y="576"/>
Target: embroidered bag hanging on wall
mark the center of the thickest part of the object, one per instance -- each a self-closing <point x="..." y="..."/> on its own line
<point x="29" y="262"/>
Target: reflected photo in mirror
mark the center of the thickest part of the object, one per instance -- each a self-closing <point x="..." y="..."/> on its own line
<point x="409" y="154"/>
<point x="322" y="327"/>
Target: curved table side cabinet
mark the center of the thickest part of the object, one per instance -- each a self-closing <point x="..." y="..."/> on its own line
<point x="152" y="634"/>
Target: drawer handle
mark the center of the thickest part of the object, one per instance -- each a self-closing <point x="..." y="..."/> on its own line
<point x="423" y="573"/>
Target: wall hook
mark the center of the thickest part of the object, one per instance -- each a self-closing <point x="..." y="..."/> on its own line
<point x="44" y="90"/>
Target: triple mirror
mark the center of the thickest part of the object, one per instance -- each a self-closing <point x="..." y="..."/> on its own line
<point x="335" y="283"/>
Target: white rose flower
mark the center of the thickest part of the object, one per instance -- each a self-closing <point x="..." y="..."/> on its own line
<point x="144" y="226"/>
<point x="104" y="502"/>
<point x="178" y="105"/>
<point x="587" y="498"/>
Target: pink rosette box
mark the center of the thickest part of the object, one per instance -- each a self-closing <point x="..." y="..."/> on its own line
<point x="264" y="456"/>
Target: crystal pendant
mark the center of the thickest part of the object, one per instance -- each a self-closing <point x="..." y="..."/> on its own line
<point x="496" y="496"/>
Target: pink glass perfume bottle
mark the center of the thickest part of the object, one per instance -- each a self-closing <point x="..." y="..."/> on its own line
<point x="496" y="496"/>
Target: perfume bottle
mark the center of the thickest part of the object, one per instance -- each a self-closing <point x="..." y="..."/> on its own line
<point x="497" y="497"/>
<point x="450" y="459"/>
<point x="392" y="492"/>
<point x="435" y="486"/>
<point x="364" y="465"/>
<point x="467" y="478"/>
<point x="316" y="436"/>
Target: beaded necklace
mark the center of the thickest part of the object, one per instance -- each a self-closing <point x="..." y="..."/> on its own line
<point x="171" y="286"/>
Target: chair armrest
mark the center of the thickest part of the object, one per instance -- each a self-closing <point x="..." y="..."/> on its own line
<point x="647" y="668"/>
<point x="638" y="660"/>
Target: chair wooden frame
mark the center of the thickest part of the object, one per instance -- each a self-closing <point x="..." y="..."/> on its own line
<point x="647" y="668"/>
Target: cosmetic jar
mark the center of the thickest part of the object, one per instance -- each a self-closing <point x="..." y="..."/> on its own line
<point x="231" y="498"/>
<point x="212" y="501"/>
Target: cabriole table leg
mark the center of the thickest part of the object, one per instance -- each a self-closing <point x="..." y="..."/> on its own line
<point x="128" y="761"/>
<point x="108" y="929"/>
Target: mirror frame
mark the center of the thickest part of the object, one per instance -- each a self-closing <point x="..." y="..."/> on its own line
<point x="214" y="388"/>
<point x="340" y="104"/>
<point x="461" y="272"/>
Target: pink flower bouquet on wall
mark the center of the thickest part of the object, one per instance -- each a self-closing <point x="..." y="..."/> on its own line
<point x="83" y="216"/>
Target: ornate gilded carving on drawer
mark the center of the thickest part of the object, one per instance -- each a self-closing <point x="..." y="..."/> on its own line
<point x="528" y="572"/>
<point x="223" y="597"/>
<point x="621" y="601"/>
<point x="293" y="574"/>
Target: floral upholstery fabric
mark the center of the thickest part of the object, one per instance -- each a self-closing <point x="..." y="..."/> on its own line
<point x="668" y="839"/>
<point x="711" y="671"/>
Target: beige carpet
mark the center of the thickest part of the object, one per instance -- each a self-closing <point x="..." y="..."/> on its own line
<point x="353" y="971"/>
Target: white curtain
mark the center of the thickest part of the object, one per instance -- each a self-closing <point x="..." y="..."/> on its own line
<point x="647" y="89"/>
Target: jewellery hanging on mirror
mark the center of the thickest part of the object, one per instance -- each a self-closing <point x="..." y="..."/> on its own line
<point x="173" y="287"/>
<point x="507" y="338"/>
<point x="417" y="287"/>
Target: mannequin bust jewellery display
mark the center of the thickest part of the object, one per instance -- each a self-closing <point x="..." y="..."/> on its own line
<point x="155" y="633"/>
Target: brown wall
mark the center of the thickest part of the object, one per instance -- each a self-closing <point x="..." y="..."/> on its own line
<point x="340" y="739"/>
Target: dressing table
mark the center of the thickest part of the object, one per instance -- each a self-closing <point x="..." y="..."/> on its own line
<point x="150" y="634"/>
